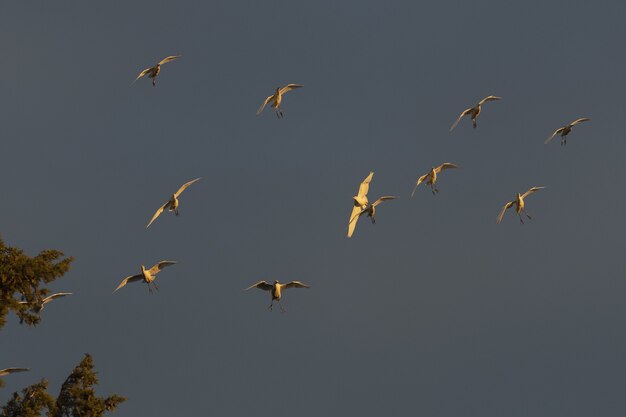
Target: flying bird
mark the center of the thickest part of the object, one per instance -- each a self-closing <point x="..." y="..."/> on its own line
<point x="38" y="307"/>
<point x="565" y="130"/>
<point x="147" y="275"/>
<point x="474" y="111"/>
<point x="153" y="72"/>
<point x="362" y="206"/>
<point x="277" y="98"/>
<point x="7" y="371"/>
<point x="431" y="177"/>
<point x="276" y="289"/>
<point x="519" y="205"/>
<point x="172" y="203"/>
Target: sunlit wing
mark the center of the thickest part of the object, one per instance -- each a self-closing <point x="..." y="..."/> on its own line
<point x="289" y="87"/>
<point x="262" y="285"/>
<point x="384" y="198"/>
<point x="582" y="119"/>
<point x="158" y="267"/>
<point x="529" y="192"/>
<point x="419" y="181"/>
<point x="489" y="98"/>
<point x="184" y="186"/>
<point x="365" y="185"/>
<point x="7" y="371"/>
<point x="267" y="100"/>
<point x="169" y="59"/>
<point x="354" y="218"/>
<point x="445" y="165"/>
<point x="556" y="132"/>
<point x="294" y="284"/>
<point x="141" y="74"/>
<point x="356" y="213"/>
<point x="126" y="280"/>
<point x="54" y="296"/>
<point x="504" y="209"/>
<point x="464" y="113"/>
<point x="158" y="213"/>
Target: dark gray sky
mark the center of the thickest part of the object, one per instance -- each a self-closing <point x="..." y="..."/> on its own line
<point x="434" y="311"/>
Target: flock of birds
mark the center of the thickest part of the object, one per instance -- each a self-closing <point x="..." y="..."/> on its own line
<point x="361" y="205"/>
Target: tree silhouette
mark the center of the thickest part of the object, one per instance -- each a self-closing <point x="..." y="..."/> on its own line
<point x="24" y="277"/>
<point x="31" y="403"/>
<point x="76" y="399"/>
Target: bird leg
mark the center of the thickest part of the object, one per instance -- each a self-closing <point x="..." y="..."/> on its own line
<point x="271" y="304"/>
<point x="176" y="212"/>
<point x="282" y="310"/>
<point x="520" y="218"/>
<point x="154" y="82"/>
<point x="527" y="215"/>
<point x="474" y="123"/>
<point x="156" y="287"/>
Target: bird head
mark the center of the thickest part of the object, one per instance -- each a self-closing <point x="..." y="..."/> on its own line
<point x="276" y="281"/>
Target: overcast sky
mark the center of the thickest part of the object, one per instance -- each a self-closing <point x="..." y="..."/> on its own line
<point x="433" y="311"/>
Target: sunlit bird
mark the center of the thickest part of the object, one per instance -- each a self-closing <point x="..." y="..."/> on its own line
<point x="147" y="275"/>
<point x="153" y="72"/>
<point x="277" y="98"/>
<point x="519" y="205"/>
<point x="7" y="371"/>
<point x="431" y="177"/>
<point x="362" y="206"/>
<point x="39" y="306"/>
<point x="276" y="290"/>
<point x="474" y="111"/>
<point x="565" y="130"/>
<point x="172" y="203"/>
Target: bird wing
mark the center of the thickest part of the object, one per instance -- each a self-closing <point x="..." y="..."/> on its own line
<point x="157" y="268"/>
<point x="488" y="98"/>
<point x="141" y="74"/>
<point x="529" y="192"/>
<point x="184" y="186"/>
<point x="365" y="185"/>
<point x="289" y="87"/>
<point x="267" y="100"/>
<point x="419" y="181"/>
<point x="126" y="280"/>
<point x="53" y="296"/>
<point x="169" y="59"/>
<point x="354" y="218"/>
<point x="504" y="209"/>
<point x="556" y="132"/>
<point x="7" y="371"/>
<point x="445" y="165"/>
<point x="158" y="213"/>
<point x="262" y="285"/>
<point x="582" y="119"/>
<point x="463" y="113"/>
<point x="384" y="198"/>
<point x="294" y="284"/>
